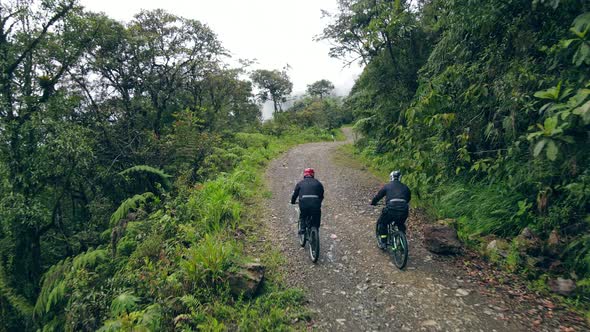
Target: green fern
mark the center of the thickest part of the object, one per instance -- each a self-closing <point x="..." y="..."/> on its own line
<point x="212" y="325"/>
<point x="56" y="279"/>
<point x="128" y="205"/>
<point x="124" y="304"/>
<point x="148" y="319"/>
<point x="150" y="171"/>
<point x="209" y="260"/>
<point x="52" y="280"/>
<point x="22" y="306"/>
<point x="90" y="259"/>
<point x="151" y="318"/>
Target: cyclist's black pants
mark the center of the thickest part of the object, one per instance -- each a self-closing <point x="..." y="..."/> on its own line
<point x="316" y="216"/>
<point x="311" y="207"/>
<point x="393" y="213"/>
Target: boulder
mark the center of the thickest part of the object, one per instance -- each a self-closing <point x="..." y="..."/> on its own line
<point x="553" y="243"/>
<point x="553" y="240"/>
<point x="528" y="242"/>
<point x="562" y="286"/>
<point x="247" y="280"/>
<point x="527" y="234"/>
<point x="497" y="247"/>
<point x="441" y="239"/>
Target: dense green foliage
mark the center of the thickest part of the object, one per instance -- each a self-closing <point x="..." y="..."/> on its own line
<point x="485" y="105"/>
<point x="127" y="157"/>
<point x="168" y="267"/>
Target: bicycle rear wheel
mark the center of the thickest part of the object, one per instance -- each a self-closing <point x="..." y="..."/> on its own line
<point x="399" y="249"/>
<point x="302" y="237"/>
<point x="314" y="244"/>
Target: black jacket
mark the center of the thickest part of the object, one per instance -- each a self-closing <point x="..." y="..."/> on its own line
<point x="393" y="190"/>
<point x="308" y="190"/>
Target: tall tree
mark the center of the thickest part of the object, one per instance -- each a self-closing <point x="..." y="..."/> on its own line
<point x="320" y="88"/>
<point x="274" y="85"/>
<point x="45" y="150"/>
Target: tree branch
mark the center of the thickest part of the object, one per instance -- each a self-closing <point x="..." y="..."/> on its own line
<point x="10" y="69"/>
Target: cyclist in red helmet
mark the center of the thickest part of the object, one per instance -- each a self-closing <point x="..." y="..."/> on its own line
<point x="311" y="194"/>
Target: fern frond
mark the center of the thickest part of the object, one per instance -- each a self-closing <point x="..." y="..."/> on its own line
<point x="55" y="280"/>
<point x="56" y="294"/>
<point x="151" y="171"/>
<point x="151" y="317"/>
<point x="52" y="280"/>
<point x="124" y="304"/>
<point x="111" y="326"/>
<point x="128" y="205"/>
<point x="90" y="259"/>
<point x="18" y="302"/>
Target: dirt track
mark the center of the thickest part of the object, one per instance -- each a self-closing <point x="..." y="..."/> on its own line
<point x="354" y="286"/>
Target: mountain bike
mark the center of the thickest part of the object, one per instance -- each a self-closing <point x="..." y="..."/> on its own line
<point x="396" y="244"/>
<point x="312" y="237"/>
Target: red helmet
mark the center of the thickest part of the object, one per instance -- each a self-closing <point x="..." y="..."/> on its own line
<point x="308" y="173"/>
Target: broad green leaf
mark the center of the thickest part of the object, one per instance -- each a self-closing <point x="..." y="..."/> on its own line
<point x="577" y="33"/>
<point x="549" y="125"/>
<point x="551" y="93"/>
<point x="534" y="135"/>
<point x="566" y="43"/>
<point x="564" y="114"/>
<point x="584" y="112"/>
<point x="582" y="109"/>
<point x="539" y="147"/>
<point x="578" y="98"/>
<point x="545" y="107"/>
<point x="551" y="150"/>
<point x="581" y="25"/>
<point x="565" y="93"/>
<point x="582" y="55"/>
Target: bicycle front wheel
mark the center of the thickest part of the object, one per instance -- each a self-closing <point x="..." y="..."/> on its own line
<point x="399" y="249"/>
<point x="314" y="244"/>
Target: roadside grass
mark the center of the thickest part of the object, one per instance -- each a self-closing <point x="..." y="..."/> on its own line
<point x="343" y="156"/>
<point x="277" y="308"/>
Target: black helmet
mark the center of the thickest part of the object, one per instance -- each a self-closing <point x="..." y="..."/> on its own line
<point x="395" y="175"/>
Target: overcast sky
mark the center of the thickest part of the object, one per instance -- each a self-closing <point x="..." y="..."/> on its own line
<point x="275" y="32"/>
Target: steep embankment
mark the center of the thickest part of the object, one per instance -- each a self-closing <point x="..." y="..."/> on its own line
<point x="354" y="286"/>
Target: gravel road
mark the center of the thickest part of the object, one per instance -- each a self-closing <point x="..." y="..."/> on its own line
<point x="354" y="286"/>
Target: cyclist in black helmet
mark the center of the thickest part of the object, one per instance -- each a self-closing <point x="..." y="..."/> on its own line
<point x="398" y="197"/>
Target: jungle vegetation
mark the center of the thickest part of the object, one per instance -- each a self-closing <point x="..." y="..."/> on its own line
<point x="485" y="106"/>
